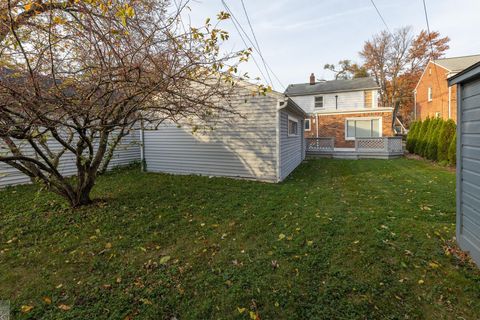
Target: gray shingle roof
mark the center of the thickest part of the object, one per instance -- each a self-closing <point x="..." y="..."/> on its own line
<point x="331" y="86"/>
<point x="457" y="64"/>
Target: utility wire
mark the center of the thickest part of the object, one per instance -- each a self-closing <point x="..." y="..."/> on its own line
<point x="256" y="41"/>
<point x="243" y="33"/>
<point x="381" y="17"/>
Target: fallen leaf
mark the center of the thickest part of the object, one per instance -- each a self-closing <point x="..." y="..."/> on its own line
<point x="421" y="281"/>
<point x="240" y="310"/>
<point x="281" y="236"/>
<point x="164" y="259"/>
<point x="64" y="307"/>
<point x="309" y="242"/>
<point x="108" y="245"/>
<point x="47" y="300"/>
<point x="26" y="308"/>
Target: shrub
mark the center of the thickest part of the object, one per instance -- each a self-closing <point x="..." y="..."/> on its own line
<point x="432" y="147"/>
<point x="426" y="138"/>
<point x="452" y="151"/>
<point x="420" y="136"/>
<point x="445" y="138"/>
<point x="412" y="136"/>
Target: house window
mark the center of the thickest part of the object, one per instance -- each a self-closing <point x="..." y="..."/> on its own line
<point x="307" y="124"/>
<point x="292" y="127"/>
<point x="319" y="102"/>
<point x="362" y="128"/>
<point x="438" y="114"/>
<point x="429" y="93"/>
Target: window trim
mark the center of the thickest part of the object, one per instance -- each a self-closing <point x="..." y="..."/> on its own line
<point x="315" y="103"/>
<point x="429" y="94"/>
<point x="380" y="124"/>
<point x="309" y="125"/>
<point x="293" y="119"/>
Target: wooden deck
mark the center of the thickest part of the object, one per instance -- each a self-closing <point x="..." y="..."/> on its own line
<point x="365" y="148"/>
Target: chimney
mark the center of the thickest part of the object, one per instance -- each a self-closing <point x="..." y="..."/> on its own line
<point x="312" y="79"/>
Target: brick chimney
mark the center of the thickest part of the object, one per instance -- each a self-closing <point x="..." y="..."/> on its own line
<point x="312" y="78"/>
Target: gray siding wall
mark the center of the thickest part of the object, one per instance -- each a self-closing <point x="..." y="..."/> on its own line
<point x="292" y="148"/>
<point x="127" y="151"/>
<point x="468" y="169"/>
<point x="238" y="146"/>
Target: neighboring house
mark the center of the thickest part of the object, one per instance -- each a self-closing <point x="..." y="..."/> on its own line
<point x="468" y="160"/>
<point x="432" y="95"/>
<point x="343" y="109"/>
<point x="263" y="141"/>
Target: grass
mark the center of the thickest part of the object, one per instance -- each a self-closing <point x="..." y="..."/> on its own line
<point x="338" y="239"/>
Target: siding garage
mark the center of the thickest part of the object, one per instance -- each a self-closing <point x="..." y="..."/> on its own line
<point x="264" y="141"/>
<point x="468" y="159"/>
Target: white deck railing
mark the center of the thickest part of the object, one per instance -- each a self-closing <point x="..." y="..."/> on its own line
<point x="320" y="144"/>
<point x="383" y="144"/>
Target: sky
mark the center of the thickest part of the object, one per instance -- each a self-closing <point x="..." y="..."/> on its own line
<point x="298" y="37"/>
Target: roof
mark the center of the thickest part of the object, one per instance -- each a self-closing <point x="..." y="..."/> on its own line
<point x="472" y="72"/>
<point x="290" y="104"/>
<point x="333" y="86"/>
<point x="457" y="64"/>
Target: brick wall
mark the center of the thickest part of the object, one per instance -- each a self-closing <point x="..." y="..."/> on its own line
<point x="333" y="125"/>
<point x="440" y="94"/>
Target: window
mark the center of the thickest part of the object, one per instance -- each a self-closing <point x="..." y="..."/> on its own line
<point x="438" y="114"/>
<point x="318" y="102"/>
<point x="429" y="93"/>
<point x="362" y="128"/>
<point x="292" y="127"/>
<point x="307" y="124"/>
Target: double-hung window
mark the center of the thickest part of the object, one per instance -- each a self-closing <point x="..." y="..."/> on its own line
<point x="292" y="127"/>
<point x="307" y="124"/>
<point x="318" y="102"/>
<point x="429" y="94"/>
<point x="363" y="128"/>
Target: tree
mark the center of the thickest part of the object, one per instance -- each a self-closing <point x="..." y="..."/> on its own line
<point x="347" y="69"/>
<point x="432" y="149"/>
<point x="77" y="76"/>
<point x="452" y="151"/>
<point x="396" y="61"/>
<point x="444" y="140"/>
<point x="422" y="136"/>
<point x="412" y="136"/>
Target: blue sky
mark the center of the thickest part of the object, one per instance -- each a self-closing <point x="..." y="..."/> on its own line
<point x="298" y="37"/>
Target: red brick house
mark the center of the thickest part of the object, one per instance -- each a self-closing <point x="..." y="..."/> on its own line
<point x="343" y="109"/>
<point x="432" y="95"/>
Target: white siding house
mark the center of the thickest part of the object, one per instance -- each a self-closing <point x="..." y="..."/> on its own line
<point x="253" y="144"/>
<point x="468" y="159"/>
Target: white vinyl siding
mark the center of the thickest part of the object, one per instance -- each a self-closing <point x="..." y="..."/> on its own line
<point x="363" y="128"/>
<point x="127" y="151"/>
<point x="237" y="146"/>
<point x="292" y="148"/>
<point x="346" y="101"/>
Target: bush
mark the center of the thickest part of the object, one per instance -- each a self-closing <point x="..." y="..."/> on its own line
<point x="452" y="151"/>
<point x="432" y="147"/>
<point x="426" y="138"/>
<point x="412" y="136"/>
<point x="420" y="136"/>
<point x="446" y="135"/>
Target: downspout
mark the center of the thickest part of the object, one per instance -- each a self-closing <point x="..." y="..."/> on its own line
<point x="142" y="148"/>
<point x="449" y="102"/>
<point x="318" y="120"/>
<point x="415" y="104"/>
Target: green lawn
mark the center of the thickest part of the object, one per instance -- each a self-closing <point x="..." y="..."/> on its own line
<point x="338" y="239"/>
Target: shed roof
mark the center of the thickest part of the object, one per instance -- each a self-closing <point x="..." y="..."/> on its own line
<point x="472" y="72"/>
<point x="457" y="64"/>
<point x="332" y="86"/>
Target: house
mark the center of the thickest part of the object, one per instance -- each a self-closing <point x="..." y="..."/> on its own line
<point x="468" y="159"/>
<point x="343" y="109"/>
<point x="262" y="139"/>
<point x="433" y="97"/>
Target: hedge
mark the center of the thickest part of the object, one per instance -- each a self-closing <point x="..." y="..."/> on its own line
<point x="433" y="139"/>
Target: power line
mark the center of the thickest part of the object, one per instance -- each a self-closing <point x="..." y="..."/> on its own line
<point x="381" y="17"/>
<point x="432" y="56"/>
<point x="243" y="33"/>
<point x="256" y="41"/>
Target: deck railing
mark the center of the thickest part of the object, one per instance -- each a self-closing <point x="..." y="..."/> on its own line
<point x="320" y="144"/>
<point x="383" y="144"/>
